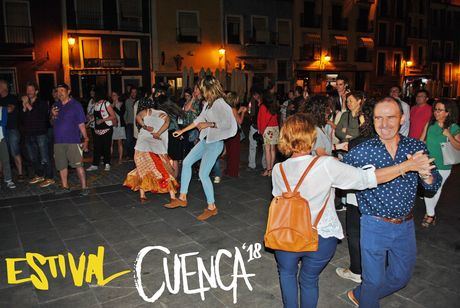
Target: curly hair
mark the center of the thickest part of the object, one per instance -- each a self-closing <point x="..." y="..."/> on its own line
<point x="298" y="134"/>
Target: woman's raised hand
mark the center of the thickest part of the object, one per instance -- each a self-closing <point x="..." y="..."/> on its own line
<point x="421" y="163"/>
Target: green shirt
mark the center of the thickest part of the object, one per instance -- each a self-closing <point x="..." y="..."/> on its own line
<point x="434" y="138"/>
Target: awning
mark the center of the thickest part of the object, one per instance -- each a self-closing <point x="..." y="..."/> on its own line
<point x="312" y="38"/>
<point x="366" y="42"/>
<point x="341" y="40"/>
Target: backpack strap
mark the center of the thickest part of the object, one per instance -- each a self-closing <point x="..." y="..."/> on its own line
<point x="305" y="173"/>
<point x="320" y="214"/>
<point x="286" y="183"/>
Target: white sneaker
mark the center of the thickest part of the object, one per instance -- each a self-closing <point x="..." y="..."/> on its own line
<point x="10" y="184"/>
<point x="92" y="168"/>
<point x="216" y="179"/>
<point x="345" y="273"/>
<point x="107" y="167"/>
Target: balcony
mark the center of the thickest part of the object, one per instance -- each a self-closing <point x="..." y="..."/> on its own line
<point x="188" y="35"/>
<point x="261" y="37"/>
<point x="103" y="63"/>
<point x="415" y="32"/>
<point x="364" y="26"/>
<point x="306" y="21"/>
<point x="338" y="24"/>
<point x="131" y="24"/>
<point x="17" y="35"/>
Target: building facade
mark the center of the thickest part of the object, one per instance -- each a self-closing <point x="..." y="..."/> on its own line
<point x="332" y="37"/>
<point x="106" y="45"/>
<point x="30" y="44"/>
<point x="444" y="48"/>
<point x="186" y="35"/>
<point x="258" y="40"/>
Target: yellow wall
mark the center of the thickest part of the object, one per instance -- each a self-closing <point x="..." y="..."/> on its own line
<point x="204" y="54"/>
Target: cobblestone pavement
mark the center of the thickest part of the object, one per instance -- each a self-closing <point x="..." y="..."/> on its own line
<point x="112" y="217"/>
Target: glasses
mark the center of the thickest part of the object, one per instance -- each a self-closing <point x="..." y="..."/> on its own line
<point x="439" y="110"/>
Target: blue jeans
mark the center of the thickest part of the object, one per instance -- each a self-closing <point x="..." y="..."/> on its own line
<point x="13" y="139"/>
<point x="388" y="253"/>
<point x="208" y="153"/>
<point x="37" y="150"/>
<point x="313" y="263"/>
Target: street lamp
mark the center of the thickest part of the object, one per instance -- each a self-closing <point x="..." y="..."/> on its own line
<point x="222" y="54"/>
<point x="71" y="42"/>
<point x="323" y="61"/>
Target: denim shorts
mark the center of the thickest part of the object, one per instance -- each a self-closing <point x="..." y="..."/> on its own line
<point x="13" y="139"/>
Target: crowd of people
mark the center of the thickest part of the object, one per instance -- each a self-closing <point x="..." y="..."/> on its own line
<point x="375" y="154"/>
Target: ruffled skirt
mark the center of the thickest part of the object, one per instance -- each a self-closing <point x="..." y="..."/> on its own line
<point x="153" y="173"/>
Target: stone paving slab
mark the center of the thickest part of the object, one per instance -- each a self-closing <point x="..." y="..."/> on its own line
<point x="112" y="217"/>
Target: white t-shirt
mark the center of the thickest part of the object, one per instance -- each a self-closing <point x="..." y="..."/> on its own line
<point x="221" y="113"/>
<point x="326" y="174"/>
<point x="145" y="141"/>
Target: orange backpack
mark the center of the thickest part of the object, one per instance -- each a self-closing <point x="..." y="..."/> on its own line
<point x="289" y="225"/>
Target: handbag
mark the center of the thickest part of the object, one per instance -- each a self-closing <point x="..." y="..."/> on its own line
<point x="289" y="226"/>
<point x="450" y="155"/>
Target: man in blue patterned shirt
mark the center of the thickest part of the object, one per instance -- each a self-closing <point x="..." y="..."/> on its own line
<point x="388" y="248"/>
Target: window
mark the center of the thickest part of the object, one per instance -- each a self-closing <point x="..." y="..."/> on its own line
<point x="436" y="50"/>
<point x="282" y="69"/>
<point x="398" y="35"/>
<point x="311" y="49"/>
<point x="381" y="62"/>
<point x="397" y="58"/>
<point x="337" y="22"/>
<point x="435" y="70"/>
<point x="421" y="28"/>
<point x="89" y="14"/>
<point x="448" y="72"/>
<point x="131" y="53"/>
<point x="90" y="51"/>
<point x="421" y="7"/>
<point x="10" y="75"/>
<point x="130" y="15"/>
<point x="365" y="46"/>
<point x="448" y="50"/>
<point x="383" y="9"/>
<point x="435" y="18"/>
<point x="188" y="30"/>
<point x="284" y="32"/>
<point x="17" y="22"/>
<point x="399" y="8"/>
<point x="420" y="55"/>
<point x="362" y="23"/>
<point x="234" y="28"/>
<point x="339" y="48"/>
<point x="260" y="33"/>
<point x="382" y="34"/>
<point x="309" y="18"/>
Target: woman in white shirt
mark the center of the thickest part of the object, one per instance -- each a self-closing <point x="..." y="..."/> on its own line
<point x="153" y="171"/>
<point x="216" y="123"/>
<point x="298" y="134"/>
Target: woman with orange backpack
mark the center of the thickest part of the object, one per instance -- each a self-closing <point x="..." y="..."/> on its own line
<point x="309" y="181"/>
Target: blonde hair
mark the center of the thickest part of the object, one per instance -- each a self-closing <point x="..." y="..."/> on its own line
<point x="232" y="99"/>
<point x="211" y="89"/>
<point x="298" y="134"/>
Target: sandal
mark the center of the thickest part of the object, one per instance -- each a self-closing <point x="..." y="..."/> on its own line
<point x="429" y="221"/>
<point x="267" y="172"/>
<point x="143" y="200"/>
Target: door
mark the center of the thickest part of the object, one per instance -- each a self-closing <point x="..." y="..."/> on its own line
<point x="46" y="83"/>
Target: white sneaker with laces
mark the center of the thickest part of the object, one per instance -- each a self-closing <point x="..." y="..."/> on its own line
<point x="217" y="180"/>
<point x="107" y="167"/>
<point x="92" y="168"/>
<point x="345" y="273"/>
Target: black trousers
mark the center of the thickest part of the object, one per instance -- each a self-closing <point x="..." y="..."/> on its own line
<point x="353" y="226"/>
<point x="102" y="145"/>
